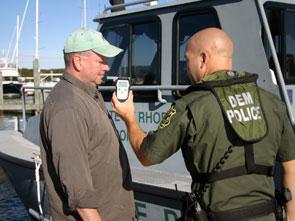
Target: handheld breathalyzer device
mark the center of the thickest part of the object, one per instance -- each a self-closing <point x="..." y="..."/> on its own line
<point x="122" y="89"/>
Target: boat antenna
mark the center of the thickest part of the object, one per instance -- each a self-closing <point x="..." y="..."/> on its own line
<point x="84" y="15"/>
<point x="9" y="46"/>
<point x="17" y="42"/>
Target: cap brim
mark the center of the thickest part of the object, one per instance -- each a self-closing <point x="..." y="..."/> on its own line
<point x="108" y="51"/>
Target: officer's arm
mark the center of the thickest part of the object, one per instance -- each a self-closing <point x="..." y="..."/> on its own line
<point x="289" y="182"/>
<point x="136" y="135"/>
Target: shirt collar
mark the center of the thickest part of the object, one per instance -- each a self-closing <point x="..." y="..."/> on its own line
<point x="89" y="89"/>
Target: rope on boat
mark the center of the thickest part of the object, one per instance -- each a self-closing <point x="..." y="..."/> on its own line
<point x="38" y="163"/>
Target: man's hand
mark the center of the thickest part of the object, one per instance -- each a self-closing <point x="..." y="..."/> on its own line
<point x="89" y="214"/>
<point x="124" y="109"/>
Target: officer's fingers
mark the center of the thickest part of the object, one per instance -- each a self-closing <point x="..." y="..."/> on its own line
<point x="114" y="96"/>
<point x="114" y="101"/>
<point x="130" y="96"/>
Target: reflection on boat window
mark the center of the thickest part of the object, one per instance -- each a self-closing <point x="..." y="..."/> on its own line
<point x="290" y="44"/>
<point x="282" y="22"/>
<point x="185" y="25"/>
<point x="145" y="66"/>
<point x="10" y="78"/>
<point x="118" y="36"/>
<point x="11" y="65"/>
<point x="140" y="60"/>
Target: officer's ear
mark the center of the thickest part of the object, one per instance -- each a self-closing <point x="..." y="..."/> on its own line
<point x="203" y="59"/>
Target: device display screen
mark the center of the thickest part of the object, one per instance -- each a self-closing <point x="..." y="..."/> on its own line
<point x="123" y="84"/>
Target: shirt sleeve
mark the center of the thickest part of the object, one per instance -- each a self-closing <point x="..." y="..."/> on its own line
<point x="170" y="136"/>
<point x="287" y="147"/>
<point x="68" y="134"/>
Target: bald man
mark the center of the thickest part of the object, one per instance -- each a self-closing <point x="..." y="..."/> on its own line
<point x="230" y="145"/>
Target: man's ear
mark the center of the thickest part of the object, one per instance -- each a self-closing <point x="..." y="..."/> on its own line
<point x="76" y="61"/>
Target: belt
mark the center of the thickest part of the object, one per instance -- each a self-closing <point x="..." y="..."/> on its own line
<point x="261" y="209"/>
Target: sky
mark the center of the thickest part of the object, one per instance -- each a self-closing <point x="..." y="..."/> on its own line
<point x="57" y="19"/>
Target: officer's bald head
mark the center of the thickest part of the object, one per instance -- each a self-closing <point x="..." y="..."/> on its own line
<point x="208" y="51"/>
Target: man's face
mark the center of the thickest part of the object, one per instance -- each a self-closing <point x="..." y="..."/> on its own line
<point x="94" y="67"/>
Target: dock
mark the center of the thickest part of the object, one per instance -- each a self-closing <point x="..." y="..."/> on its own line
<point x="16" y="105"/>
<point x="32" y="103"/>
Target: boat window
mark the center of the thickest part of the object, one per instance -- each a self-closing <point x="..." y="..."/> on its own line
<point x="290" y="44"/>
<point x="118" y="65"/>
<point x="145" y="66"/>
<point x="281" y="20"/>
<point x="185" y="25"/>
<point x="140" y="60"/>
<point x="10" y="78"/>
<point x="11" y="65"/>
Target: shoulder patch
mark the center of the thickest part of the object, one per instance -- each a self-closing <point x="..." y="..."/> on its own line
<point x="167" y="118"/>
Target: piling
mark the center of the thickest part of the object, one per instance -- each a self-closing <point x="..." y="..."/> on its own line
<point x="1" y="89"/>
<point x="37" y="84"/>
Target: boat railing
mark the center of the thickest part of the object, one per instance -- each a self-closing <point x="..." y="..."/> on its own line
<point x="42" y="89"/>
<point x="278" y="70"/>
<point x="118" y="7"/>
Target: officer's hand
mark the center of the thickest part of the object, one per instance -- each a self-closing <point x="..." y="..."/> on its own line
<point x="124" y="109"/>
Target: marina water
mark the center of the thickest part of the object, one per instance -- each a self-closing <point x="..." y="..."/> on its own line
<point x="11" y="207"/>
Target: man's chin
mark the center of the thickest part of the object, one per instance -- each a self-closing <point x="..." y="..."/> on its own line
<point x="98" y="80"/>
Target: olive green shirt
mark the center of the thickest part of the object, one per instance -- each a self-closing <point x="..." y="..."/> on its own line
<point x="196" y="122"/>
<point x="83" y="163"/>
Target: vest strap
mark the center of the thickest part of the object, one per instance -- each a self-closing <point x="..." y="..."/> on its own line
<point x="250" y="167"/>
<point x="233" y="172"/>
<point x="261" y="209"/>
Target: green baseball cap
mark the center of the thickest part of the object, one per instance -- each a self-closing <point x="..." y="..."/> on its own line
<point x="88" y="39"/>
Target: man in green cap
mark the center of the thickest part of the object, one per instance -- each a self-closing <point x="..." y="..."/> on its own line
<point x="231" y="133"/>
<point x="85" y="166"/>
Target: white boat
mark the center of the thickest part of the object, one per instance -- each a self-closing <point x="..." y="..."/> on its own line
<point x="11" y="80"/>
<point x="48" y="80"/>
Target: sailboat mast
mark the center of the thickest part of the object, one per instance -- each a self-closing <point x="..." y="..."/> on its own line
<point x="19" y="27"/>
<point x="17" y="42"/>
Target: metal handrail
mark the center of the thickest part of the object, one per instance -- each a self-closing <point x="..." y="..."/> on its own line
<point x="126" y="5"/>
<point x="276" y="60"/>
<point x="158" y="88"/>
<point x="148" y="88"/>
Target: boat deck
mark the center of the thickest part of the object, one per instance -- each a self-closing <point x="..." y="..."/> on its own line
<point x="14" y="146"/>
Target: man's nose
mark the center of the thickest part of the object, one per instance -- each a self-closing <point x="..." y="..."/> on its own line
<point x="107" y="67"/>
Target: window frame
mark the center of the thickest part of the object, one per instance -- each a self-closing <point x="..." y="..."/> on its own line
<point x="130" y="26"/>
<point x="175" y="37"/>
<point x="159" y="47"/>
<point x="115" y="26"/>
<point x="282" y="56"/>
<point x="141" y="97"/>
